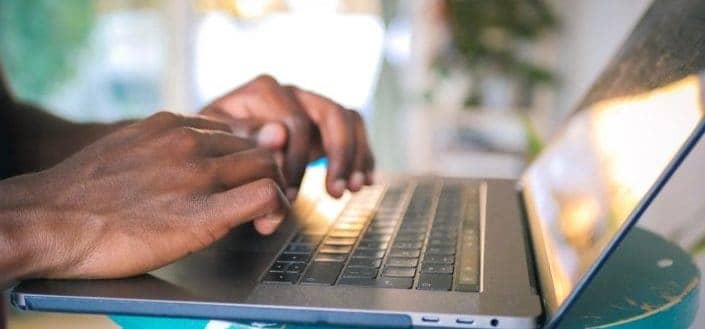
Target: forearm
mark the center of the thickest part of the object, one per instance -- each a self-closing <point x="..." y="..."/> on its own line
<point x="39" y="140"/>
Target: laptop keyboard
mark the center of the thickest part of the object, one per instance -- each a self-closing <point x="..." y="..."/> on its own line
<point x="419" y="236"/>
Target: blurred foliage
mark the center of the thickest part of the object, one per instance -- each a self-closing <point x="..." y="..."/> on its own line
<point x="487" y="36"/>
<point x="698" y="247"/>
<point x="534" y="143"/>
<point x="39" y="40"/>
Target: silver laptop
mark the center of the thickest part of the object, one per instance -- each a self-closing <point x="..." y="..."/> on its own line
<point x="450" y="252"/>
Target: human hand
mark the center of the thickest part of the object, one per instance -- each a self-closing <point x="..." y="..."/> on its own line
<point x="299" y="126"/>
<point x="141" y="197"/>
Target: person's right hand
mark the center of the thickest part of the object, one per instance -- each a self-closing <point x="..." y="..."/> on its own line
<point x="142" y="197"/>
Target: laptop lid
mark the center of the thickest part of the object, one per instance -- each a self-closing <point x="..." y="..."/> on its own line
<point x="626" y="138"/>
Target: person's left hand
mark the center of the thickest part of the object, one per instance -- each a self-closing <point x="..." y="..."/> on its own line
<point x="299" y="126"/>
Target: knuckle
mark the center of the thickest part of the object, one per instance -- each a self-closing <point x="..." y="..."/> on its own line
<point x="185" y="137"/>
<point x="355" y="115"/>
<point x="264" y="81"/>
<point x="165" y="117"/>
<point x="299" y="123"/>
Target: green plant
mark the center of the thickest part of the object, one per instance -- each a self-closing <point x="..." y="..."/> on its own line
<point x="39" y="40"/>
<point x="486" y="37"/>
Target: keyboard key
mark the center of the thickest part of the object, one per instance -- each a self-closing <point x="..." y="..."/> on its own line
<point x="328" y="249"/>
<point x="351" y="220"/>
<point x="410" y="237"/>
<point x="441" y="243"/>
<point x="380" y="230"/>
<point x="413" y="230"/>
<point x="439" y="259"/>
<point x="296" y="267"/>
<point x="360" y="272"/>
<point x="362" y="213"/>
<point x="339" y="241"/>
<point x="414" y="225"/>
<point x="315" y="230"/>
<point x="412" y="253"/>
<point x="398" y="283"/>
<point x="348" y="226"/>
<point x="394" y="283"/>
<point x="444" y="226"/>
<point x="448" y="236"/>
<point x="407" y="245"/>
<point x="281" y="277"/>
<point x="308" y="238"/>
<point x="279" y="267"/>
<point x="366" y="262"/>
<point x="376" y="237"/>
<point x="468" y="266"/>
<point x="322" y="273"/>
<point x="286" y="257"/>
<point x="435" y="282"/>
<point x="300" y="248"/>
<point x="344" y="233"/>
<point x="383" y="224"/>
<point x="436" y="268"/>
<point x="402" y="262"/>
<point x="372" y="245"/>
<point x="386" y="215"/>
<point x="444" y="251"/>
<point x="321" y="257"/>
<point x="400" y="272"/>
<point x="416" y="220"/>
<point x="368" y="254"/>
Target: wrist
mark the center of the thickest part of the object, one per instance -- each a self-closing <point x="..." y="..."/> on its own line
<point x="24" y="245"/>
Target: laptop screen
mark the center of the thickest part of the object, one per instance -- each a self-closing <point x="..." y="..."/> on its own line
<point x="634" y="120"/>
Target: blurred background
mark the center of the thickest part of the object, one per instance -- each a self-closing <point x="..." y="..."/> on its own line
<point x="454" y="87"/>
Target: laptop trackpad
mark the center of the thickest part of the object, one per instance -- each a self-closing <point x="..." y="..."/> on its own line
<point x="246" y="238"/>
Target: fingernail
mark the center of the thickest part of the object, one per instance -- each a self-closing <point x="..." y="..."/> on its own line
<point x="339" y="186"/>
<point x="356" y="181"/>
<point x="266" y="135"/>
<point x="270" y="135"/>
<point x="267" y="226"/>
<point x="291" y="193"/>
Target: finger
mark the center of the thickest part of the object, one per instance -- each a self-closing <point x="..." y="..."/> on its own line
<point x="167" y="120"/>
<point x="270" y="135"/>
<point x="296" y="155"/>
<point x="337" y="137"/>
<point x="267" y="224"/>
<point x="246" y="167"/>
<point x="273" y="136"/>
<point x="245" y="127"/>
<point x="205" y="123"/>
<point x="370" y="174"/>
<point x="217" y="143"/>
<point x="244" y="203"/>
<point x="362" y="156"/>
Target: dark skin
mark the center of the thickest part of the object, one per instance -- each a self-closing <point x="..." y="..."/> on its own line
<point x="115" y="200"/>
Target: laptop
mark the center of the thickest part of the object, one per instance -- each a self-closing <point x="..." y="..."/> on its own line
<point x="450" y="252"/>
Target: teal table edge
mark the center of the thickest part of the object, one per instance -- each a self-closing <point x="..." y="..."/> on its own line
<point x="647" y="283"/>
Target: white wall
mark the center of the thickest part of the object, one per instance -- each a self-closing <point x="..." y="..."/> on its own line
<point x="591" y="32"/>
